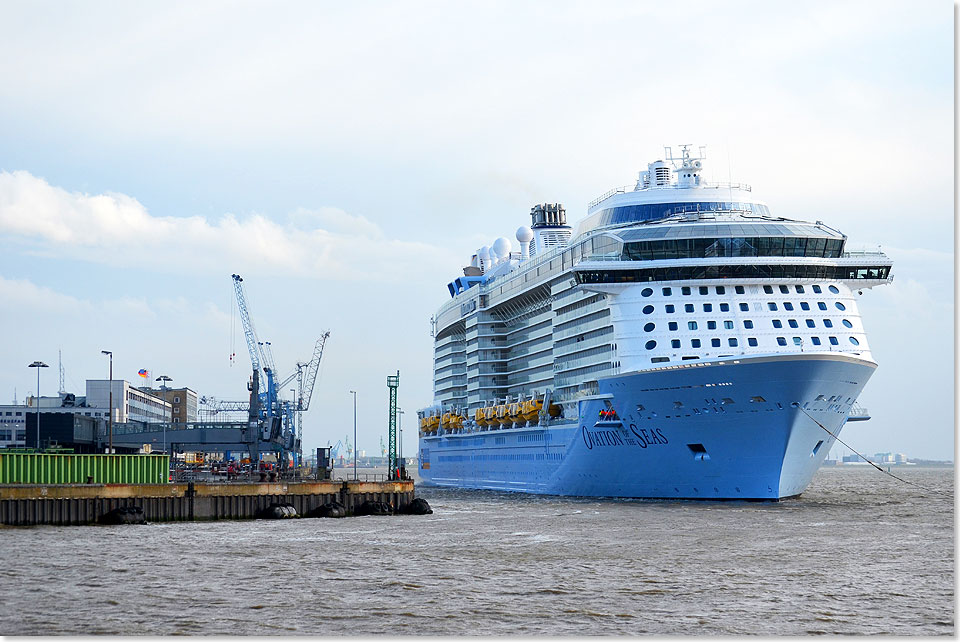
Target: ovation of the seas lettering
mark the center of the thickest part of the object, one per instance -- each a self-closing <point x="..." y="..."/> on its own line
<point x="603" y="437"/>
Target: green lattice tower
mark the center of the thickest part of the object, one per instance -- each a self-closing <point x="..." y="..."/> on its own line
<point x="393" y="383"/>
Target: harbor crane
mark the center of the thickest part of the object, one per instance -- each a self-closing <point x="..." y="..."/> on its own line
<point x="273" y="418"/>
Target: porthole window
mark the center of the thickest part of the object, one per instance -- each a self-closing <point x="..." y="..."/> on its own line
<point x="768" y="289"/>
<point x="647" y="309"/>
<point x="667" y="292"/>
<point x="650" y="345"/>
<point x="834" y="289"/>
<point x="827" y="323"/>
<point x="811" y="324"/>
<point x="777" y="324"/>
<point x="752" y="342"/>
<point x="669" y="308"/>
<point x="721" y="290"/>
<point x="672" y="325"/>
<point x="711" y="325"/>
<point x="649" y="327"/>
<point x="724" y="307"/>
<point x="797" y="341"/>
<point x="847" y="323"/>
<point x="792" y="323"/>
<point x="781" y="341"/>
<point x="708" y="307"/>
<point x="788" y="306"/>
<point x="675" y="343"/>
<point x="815" y="340"/>
<point x="732" y="342"/>
<point x="840" y="306"/>
<point x="688" y="307"/>
<point x="728" y="325"/>
<point x="799" y="289"/>
<point x="685" y="290"/>
<point x="821" y="305"/>
<point x="784" y="289"/>
<point x="748" y="324"/>
<point x="715" y="343"/>
<point x="772" y="305"/>
<point x="704" y="289"/>
<point x="833" y="341"/>
<point x="738" y="289"/>
<point x="854" y="341"/>
<point x="691" y="325"/>
<point x="804" y="305"/>
<point x="646" y="291"/>
<point x="817" y="289"/>
<point x="744" y="307"/>
<point x="694" y="343"/>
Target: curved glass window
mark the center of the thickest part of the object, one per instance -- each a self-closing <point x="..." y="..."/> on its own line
<point x="647" y="309"/>
<point x="847" y="323"/>
<point x="854" y="341"/>
<point x="698" y="248"/>
<point x="646" y="291"/>
<point x="651" y="211"/>
<point x="650" y="345"/>
<point x="834" y="289"/>
<point x="649" y="327"/>
<point x="840" y="306"/>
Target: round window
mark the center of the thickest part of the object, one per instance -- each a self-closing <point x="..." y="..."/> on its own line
<point x="834" y="289"/>
<point x="646" y="292"/>
<point x="847" y="323"/>
<point x="647" y="309"/>
<point x="650" y="345"/>
<point x="840" y="306"/>
<point x="649" y="327"/>
<point x="854" y="341"/>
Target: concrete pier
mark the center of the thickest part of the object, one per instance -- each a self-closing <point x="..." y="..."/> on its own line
<point x="27" y="505"/>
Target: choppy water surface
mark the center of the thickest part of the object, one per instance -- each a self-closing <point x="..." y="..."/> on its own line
<point x="858" y="553"/>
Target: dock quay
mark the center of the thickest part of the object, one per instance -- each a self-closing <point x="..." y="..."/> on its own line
<point x="77" y="504"/>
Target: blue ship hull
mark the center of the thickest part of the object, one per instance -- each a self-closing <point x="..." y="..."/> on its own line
<point x="744" y="428"/>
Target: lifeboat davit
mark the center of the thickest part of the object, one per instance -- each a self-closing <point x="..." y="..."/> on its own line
<point x="530" y="409"/>
<point x="513" y="412"/>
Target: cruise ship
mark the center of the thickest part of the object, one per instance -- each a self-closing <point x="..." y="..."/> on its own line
<point x="682" y="342"/>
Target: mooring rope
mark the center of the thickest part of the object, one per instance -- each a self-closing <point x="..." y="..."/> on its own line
<point x="885" y="472"/>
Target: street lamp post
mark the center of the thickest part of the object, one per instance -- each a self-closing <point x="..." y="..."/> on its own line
<point x="354" y="393"/>
<point x="110" y="416"/>
<point x="163" y="379"/>
<point x="38" y="365"/>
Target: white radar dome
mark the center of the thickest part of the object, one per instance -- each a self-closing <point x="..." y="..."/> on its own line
<point x="483" y="252"/>
<point x="524" y="234"/>
<point x="502" y="246"/>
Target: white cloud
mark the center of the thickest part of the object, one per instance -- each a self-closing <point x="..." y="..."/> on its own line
<point x="116" y="229"/>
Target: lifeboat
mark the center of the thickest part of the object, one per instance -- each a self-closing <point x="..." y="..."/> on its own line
<point x="490" y="412"/>
<point x="530" y="409"/>
<point x="456" y="422"/>
<point x="480" y="417"/>
<point x="513" y="411"/>
<point x="445" y="420"/>
<point x="502" y="417"/>
<point x="553" y="410"/>
<point x="433" y="422"/>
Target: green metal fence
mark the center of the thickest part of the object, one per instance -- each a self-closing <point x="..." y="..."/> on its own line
<point x="44" y="468"/>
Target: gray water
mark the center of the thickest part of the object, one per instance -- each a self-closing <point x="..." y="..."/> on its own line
<point x="857" y="553"/>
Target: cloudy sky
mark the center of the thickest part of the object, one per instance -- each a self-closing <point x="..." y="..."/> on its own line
<point x="347" y="158"/>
